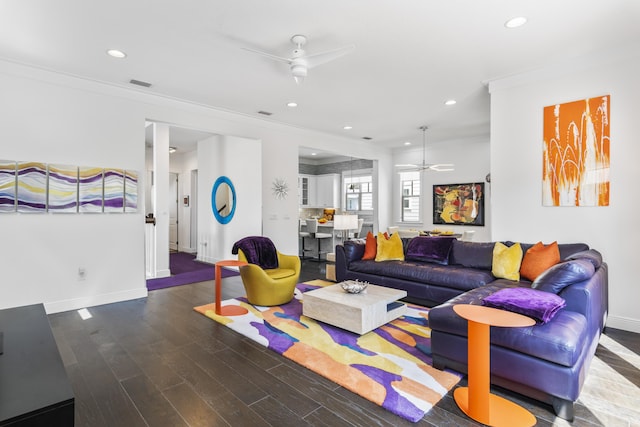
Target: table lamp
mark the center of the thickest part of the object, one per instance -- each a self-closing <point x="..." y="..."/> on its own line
<point x="345" y="223"/>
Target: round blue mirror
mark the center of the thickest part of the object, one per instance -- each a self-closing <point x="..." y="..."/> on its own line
<point x="223" y="200"/>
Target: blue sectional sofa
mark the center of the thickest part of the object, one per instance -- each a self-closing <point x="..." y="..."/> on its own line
<point x="548" y="361"/>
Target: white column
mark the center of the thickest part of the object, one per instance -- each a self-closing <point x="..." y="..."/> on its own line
<point x="161" y="197"/>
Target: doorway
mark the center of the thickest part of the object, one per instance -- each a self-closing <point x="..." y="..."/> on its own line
<point x="173" y="211"/>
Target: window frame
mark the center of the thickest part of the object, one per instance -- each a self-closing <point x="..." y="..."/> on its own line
<point x="347" y="177"/>
<point x="415" y="180"/>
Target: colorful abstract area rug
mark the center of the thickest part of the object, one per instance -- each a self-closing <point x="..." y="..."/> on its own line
<point x="390" y="366"/>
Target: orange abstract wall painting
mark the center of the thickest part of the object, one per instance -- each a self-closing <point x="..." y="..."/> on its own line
<point x="575" y="170"/>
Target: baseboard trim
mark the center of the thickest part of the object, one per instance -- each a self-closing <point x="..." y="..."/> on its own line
<point x="93" y="300"/>
<point x="624" y="323"/>
<point x="163" y="273"/>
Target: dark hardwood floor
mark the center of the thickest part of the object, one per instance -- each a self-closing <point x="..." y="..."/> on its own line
<point x="156" y="362"/>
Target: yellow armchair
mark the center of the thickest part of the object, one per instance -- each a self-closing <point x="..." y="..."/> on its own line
<point x="272" y="286"/>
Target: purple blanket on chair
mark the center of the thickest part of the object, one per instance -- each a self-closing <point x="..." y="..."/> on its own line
<point x="259" y="250"/>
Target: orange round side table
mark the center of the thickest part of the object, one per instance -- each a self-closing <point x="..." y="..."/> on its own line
<point x="227" y="310"/>
<point x="476" y="400"/>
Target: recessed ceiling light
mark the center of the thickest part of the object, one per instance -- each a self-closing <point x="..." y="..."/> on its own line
<point x="450" y="102"/>
<point x="516" y="22"/>
<point x="116" y="53"/>
<point x="347" y="127"/>
<point x="407" y="143"/>
<point x="292" y="104"/>
<point x="314" y="154"/>
<point x="172" y="150"/>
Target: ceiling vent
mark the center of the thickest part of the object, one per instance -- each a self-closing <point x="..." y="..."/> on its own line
<point x="367" y="138"/>
<point x="139" y="83"/>
<point x="264" y="113"/>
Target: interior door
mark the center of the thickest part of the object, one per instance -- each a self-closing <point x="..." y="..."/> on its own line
<point x="173" y="211"/>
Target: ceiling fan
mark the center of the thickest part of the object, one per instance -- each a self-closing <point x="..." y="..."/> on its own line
<point x="438" y="167"/>
<point x="300" y="62"/>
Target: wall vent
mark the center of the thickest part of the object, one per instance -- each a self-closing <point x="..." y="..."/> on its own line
<point x="265" y="113"/>
<point x="139" y="83"/>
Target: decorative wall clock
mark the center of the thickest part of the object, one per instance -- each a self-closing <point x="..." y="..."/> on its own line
<point x="280" y="188"/>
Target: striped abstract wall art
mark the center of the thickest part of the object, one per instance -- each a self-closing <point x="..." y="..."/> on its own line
<point x="7" y="186"/>
<point x="90" y="189"/>
<point x="32" y="187"/>
<point x="41" y="187"/>
<point x="63" y="188"/>
<point x="576" y="153"/>
<point x="130" y="191"/>
<point x="113" y="190"/>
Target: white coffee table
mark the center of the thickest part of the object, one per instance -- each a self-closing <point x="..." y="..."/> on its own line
<point x="359" y="313"/>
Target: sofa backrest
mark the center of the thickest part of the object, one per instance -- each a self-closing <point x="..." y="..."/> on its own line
<point x="480" y="254"/>
<point x="472" y="254"/>
<point x="467" y="254"/>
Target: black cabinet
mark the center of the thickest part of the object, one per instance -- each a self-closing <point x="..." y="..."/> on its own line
<point x="34" y="387"/>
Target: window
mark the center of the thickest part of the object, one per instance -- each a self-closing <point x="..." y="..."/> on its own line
<point x="410" y="185"/>
<point x="359" y="193"/>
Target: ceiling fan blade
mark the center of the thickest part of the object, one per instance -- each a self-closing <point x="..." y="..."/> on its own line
<point x="406" y="165"/>
<point x="268" y="55"/>
<point x="323" y="57"/>
<point x="442" y="167"/>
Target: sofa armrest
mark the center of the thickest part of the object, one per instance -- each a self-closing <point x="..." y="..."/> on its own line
<point x="289" y="261"/>
<point x="590" y="298"/>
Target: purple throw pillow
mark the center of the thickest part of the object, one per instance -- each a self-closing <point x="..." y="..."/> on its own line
<point x="429" y="249"/>
<point x="564" y="274"/>
<point x="539" y="305"/>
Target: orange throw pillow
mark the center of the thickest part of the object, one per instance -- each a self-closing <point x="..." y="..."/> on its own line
<point x="538" y="259"/>
<point x="371" y="247"/>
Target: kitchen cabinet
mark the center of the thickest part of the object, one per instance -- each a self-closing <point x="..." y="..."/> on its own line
<point x="327" y="191"/>
<point x="319" y="191"/>
<point x="304" y="186"/>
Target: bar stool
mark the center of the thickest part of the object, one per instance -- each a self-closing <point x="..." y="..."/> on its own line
<point x="302" y="235"/>
<point x="312" y="229"/>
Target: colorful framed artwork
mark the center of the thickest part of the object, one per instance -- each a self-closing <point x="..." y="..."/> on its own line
<point x="459" y="204"/>
<point x="7" y="186"/>
<point x="575" y="169"/>
<point x="90" y="184"/>
<point x="32" y="187"/>
<point x="130" y="191"/>
<point x="63" y="189"/>
<point x="113" y="190"/>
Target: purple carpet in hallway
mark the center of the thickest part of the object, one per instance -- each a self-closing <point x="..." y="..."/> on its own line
<point x="185" y="270"/>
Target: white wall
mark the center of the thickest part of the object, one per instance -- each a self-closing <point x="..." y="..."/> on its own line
<point x="41" y="253"/>
<point x="471" y="160"/>
<point x="239" y="159"/>
<point x="516" y="157"/>
<point x="56" y="118"/>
